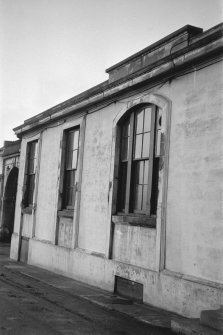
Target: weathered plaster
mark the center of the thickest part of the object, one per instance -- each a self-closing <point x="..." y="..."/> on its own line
<point x="95" y="181"/>
<point x="174" y="293"/>
<point x="195" y="190"/>
<point x="135" y="245"/>
<point x="174" y="260"/>
<point x="47" y="195"/>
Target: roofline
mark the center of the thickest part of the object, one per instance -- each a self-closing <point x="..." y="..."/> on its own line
<point x="105" y="91"/>
<point x="75" y="98"/>
<point x="187" y="28"/>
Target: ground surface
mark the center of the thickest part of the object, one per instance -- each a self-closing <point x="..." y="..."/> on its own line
<point x="32" y="307"/>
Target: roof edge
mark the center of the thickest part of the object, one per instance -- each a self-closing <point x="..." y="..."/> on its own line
<point x="187" y="28"/>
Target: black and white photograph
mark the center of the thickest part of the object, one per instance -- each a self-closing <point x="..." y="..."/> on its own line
<point x="111" y="167"/>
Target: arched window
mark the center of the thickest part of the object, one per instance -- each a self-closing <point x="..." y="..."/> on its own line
<point x="139" y="160"/>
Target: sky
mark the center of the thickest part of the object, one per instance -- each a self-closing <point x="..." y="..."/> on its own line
<point x="52" y="50"/>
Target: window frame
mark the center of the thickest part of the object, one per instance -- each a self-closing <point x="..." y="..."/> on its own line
<point x="30" y="175"/>
<point x="64" y="206"/>
<point x="128" y="210"/>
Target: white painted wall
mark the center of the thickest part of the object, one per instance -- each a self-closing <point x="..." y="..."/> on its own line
<point x="195" y="186"/>
<point x="48" y="184"/>
<point x="135" y="245"/>
<point x="94" y="208"/>
<point x="27" y="225"/>
<point x="194" y="230"/>
<point x="174" y="293"/>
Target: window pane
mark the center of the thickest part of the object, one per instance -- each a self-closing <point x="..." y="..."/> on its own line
<point x="76" y="139"/>
<point x="139" y="122"/>
<point x="141" y="187"/>
<point x="69" y="188"/>
<point x="146" y="144"/>
<point x="139" y="172"/>
<point x="125" y="140"/>
<point x="69" y="160"/>
<point x="33" y="147"/>
<point x="70" y="196"/>
<point x="138" y="146"/>
<point x="146" y="172"/>
<point x="158" y="142"/>
<point x="74" y="160"/>
<point x="70" y="140"/>
<point x="125" y="148"/>
<point x="29" y="180"/>
<point x="155" y="181"/>
<point x="126" y="128"/>
<point x="145" y="191"/>
<point x="138" y="197"/>
<point x="30" y="186"/>
<point x="158" y="133"/>
<point x="69" y="178"/>
<point x="123" y="175"/>
<point x="32" y="155"/>
<point x="31" y="166"/>
<point x="35" y="154"/>
<point x="147" y="119"/>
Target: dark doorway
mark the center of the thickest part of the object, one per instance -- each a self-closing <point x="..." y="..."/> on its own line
<point x="9" y="204"/>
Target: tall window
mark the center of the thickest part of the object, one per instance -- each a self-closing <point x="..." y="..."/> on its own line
<point x="70" y="169"/>
<point x="139" y="161"/>
<point x="31" y="164"/>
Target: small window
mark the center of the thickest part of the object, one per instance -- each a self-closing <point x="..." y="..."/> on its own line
<point x="139" y="161"/>
<point x="70" y="168"/>
<point x="30" y="173"/>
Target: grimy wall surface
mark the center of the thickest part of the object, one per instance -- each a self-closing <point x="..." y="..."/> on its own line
<point x="193" y="211"/>
<point x="194" y="208"/>
<point x="194" y="229"/>
<point x="194" y="179"/>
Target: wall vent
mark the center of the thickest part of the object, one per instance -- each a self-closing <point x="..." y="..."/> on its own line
<point x="129" y="289"/>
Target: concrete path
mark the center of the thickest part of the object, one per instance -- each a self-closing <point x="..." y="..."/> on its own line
<point x="77" y="308"/>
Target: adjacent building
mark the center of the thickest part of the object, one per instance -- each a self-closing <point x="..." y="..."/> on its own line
<point x="9" y="168"/>
<point x="121" y="186"/>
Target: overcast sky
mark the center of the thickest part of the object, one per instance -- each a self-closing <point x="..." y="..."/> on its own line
<point x="52" y="50"/>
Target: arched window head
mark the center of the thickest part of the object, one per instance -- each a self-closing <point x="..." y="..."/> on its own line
<point x="139" y="160"/>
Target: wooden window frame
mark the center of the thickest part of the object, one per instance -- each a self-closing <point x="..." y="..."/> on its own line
<point x="129" y="196"/>
<point x="27" y="205"/>
<point x="64" y="206"/>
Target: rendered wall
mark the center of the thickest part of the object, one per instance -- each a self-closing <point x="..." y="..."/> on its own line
<point x="193" y="224"/>
<point x="194" y="208"/>
<point x="174" y="293"/>
<point x="135" y="245"/>
<point x="194" y="230"/>
<point x="94" y="208"/>
<point x="48" y="184"/>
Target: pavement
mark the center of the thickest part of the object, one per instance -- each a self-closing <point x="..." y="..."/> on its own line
<point x="143" y="313"/>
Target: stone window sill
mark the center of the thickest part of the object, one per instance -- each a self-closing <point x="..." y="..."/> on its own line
<point x="66" y="213"/>
<point x="135" y="220"/>
<point x="27" y="210"/>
